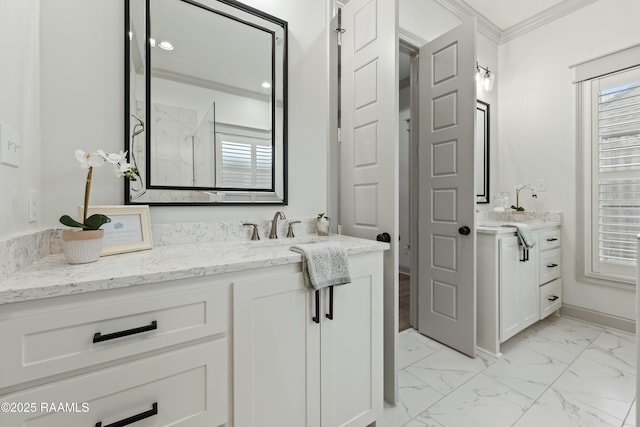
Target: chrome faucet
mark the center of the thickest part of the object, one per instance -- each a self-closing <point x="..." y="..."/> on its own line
<point x="274" y="224"/>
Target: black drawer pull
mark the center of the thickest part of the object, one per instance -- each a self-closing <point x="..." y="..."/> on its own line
<point x="330" y="314"/>
<point x="316" y="318"/>
<point x="98" y="337"/>
<point x="552" y="265"/>
<point x="553" y="298"/>
<point x="141" y="416"/>
<point x="551" y="239"/>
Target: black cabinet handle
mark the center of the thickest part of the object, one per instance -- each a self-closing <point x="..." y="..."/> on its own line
<point x="552" y="265"/>
<point x="316" y="318"/>
<point x="330" y="314"/>
<point x="551" y="239"/>
<point x="141" y="416"/>
<point x="98" y="337"/>
<point x="553" y="298"/>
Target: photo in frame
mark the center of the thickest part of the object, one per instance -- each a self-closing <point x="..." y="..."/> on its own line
<point x="128" y="231"/>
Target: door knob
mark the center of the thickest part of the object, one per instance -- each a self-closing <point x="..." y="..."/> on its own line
<point x="384" y="237"/>
<point x="464" y="230"/>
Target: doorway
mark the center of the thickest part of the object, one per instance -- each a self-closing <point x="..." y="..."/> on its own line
<point x="407" y="90"/>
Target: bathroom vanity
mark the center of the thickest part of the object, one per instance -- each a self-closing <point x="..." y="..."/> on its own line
<point x="516" y="288"/>
<point x="203" y="334"/>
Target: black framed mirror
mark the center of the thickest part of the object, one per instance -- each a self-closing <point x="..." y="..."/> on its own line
<point x="205" y="103"/>
<point x="482" y="152"/>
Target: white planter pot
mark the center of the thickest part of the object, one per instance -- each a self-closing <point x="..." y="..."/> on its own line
<point x="82" y="246"/>
<point x="322" y="225"/>
<point x="518" y="216"/>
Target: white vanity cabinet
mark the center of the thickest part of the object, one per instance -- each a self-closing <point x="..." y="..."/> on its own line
<point x="218" y="334"/>
<point x="514" y="291"/>
<point x="158" y="353"/>
<point x="295" y="366"/>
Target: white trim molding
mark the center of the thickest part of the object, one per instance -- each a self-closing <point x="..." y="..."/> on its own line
<point x="598" y="318"/>
<point x="463" y="11"/>
<point x="546" y="16"/>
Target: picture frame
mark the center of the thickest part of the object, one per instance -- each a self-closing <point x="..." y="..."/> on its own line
<point x="128" y="231"/>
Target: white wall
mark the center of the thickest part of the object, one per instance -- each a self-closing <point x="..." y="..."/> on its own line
<point x="537" y="123"/>
<point x="82" y="107"/>
<point x="20" y="109"/>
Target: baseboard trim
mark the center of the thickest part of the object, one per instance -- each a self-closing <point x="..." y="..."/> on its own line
<point x="598" y="318"/>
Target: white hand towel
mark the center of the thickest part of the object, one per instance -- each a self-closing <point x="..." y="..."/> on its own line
<point x="323" y="264"/>
<point x="524" y="234"/>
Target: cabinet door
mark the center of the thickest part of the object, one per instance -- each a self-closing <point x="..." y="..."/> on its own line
<point x="519" y="300"/>
<point x="510" y="314"/>
<point x="530" y="290"/>
<point x="276" y="351"/>
<point x="352" y="349"/>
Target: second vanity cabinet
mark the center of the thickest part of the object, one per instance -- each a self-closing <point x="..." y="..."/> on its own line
<point x="515" y="289"/>
<point x="301" y="364"/>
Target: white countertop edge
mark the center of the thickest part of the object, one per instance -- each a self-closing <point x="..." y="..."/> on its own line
<point x="52" y="276"/>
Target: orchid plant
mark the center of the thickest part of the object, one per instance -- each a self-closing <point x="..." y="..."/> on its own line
<point x="92" y="160"/>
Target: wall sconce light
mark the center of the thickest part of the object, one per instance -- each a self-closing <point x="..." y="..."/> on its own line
<point x="484" y="77"/>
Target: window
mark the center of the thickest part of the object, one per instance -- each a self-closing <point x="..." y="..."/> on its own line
<point x="609" y="106"/>
<point x="244" y="162"/>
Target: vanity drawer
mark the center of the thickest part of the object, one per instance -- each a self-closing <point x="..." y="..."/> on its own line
<point x="550" y="298"/>
<point x="187" y="386"/>
<point x="86" y="332"/>
<point x="550" y="266"/>
<point x="549" y="239"/>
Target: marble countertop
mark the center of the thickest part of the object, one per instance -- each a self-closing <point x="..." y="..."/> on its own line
<point x="52" y="276"/>
<point x="503" y="222"/>
<point x="499" y="227"/>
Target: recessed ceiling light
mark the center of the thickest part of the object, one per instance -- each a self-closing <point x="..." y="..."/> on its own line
<point x="266" y="85"/>
<point x="165" y="45"/>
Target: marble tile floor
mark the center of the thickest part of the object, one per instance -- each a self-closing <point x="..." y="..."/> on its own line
<point x="556" y="373"/>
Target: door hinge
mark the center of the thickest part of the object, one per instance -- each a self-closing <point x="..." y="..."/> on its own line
<point x="340" y="32"/>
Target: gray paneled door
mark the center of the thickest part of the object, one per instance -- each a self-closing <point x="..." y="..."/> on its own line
<point x="369" y="150"/>
<point x="447" y="201"/>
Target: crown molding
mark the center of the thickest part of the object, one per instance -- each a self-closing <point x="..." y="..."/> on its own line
<point x="463" y="11"/>
<point x="410" y="38"/>
<point x="546" y="16"/>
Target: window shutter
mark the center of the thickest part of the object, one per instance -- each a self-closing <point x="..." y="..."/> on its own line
<point x="246" y="165"/>
<point x="618" y="180"/>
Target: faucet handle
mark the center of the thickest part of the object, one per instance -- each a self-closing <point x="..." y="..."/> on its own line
<point x="290" y="230"/>
<point x="255" y="235"/>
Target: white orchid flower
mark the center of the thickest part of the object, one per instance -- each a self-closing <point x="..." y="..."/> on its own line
<point x="121" y="169"/>
<point x="113" y="158"/>
<point x="89" y="160"/>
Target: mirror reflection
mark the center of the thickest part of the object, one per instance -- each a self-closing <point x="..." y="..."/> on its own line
<point x="215" y="96"/>
<point x="482" y="152"/>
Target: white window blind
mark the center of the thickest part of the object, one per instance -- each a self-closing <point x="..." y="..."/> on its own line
<point x="615" y="177"/>
<point x="245" y="164"/>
